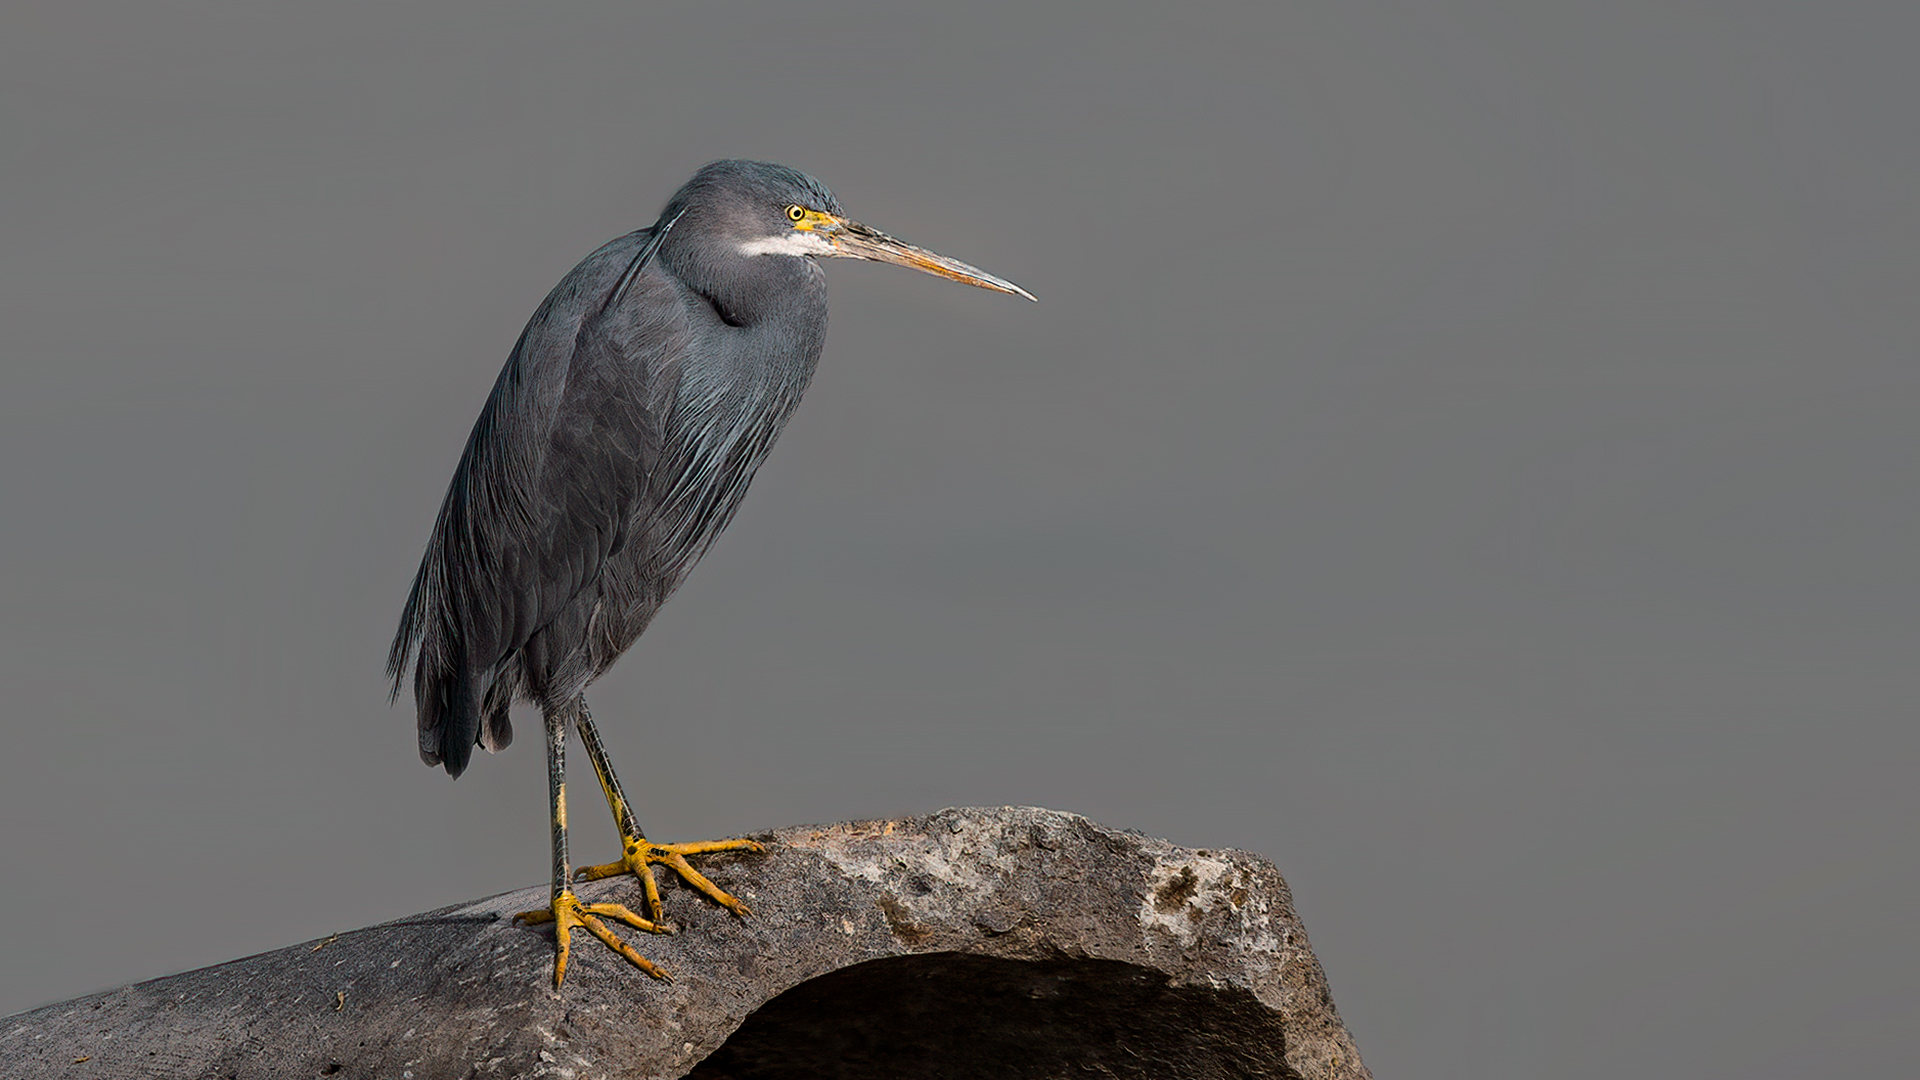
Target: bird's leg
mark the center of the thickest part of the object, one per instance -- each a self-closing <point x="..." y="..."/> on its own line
<point x="565" y="911"/>
<point x="638" y="853"/>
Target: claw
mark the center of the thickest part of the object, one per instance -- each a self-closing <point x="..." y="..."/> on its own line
<point x="640" y="855"/>
<point x="568" y="912"/>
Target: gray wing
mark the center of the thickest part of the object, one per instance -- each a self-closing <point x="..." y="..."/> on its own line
<point x="545" y="491"/>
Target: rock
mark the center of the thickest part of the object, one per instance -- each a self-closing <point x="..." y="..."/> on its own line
<point x="1008" y="942"/>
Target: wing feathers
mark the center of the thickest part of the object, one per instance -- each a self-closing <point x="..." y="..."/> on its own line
<point x="554" y="471"/>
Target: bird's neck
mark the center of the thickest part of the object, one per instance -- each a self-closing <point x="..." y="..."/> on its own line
<point x="752" y="291"/>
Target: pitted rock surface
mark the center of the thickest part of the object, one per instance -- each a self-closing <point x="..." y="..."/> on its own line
<point x="1011" y="942"/>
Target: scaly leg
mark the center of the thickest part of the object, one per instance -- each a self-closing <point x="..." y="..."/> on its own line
<point x="640" y="853"/>
<point x="565" y="910"/>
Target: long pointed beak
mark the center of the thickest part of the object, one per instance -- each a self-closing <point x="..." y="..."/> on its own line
<point x="855" y="241"/>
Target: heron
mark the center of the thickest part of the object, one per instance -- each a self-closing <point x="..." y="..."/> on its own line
<point x="616" y="445"/>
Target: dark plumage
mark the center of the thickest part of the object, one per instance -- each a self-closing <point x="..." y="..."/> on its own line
<point x="631" y="415"/>
<point x="615" y="447"/>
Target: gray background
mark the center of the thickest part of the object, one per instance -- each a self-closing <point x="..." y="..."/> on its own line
<point x="1466" y="455"/>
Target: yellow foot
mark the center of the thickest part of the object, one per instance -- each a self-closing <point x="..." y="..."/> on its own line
<point x="640" y="855"/>
<point x="568" y="912"/>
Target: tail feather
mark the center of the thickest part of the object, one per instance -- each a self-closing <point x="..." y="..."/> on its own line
<point x="449" y="716"/>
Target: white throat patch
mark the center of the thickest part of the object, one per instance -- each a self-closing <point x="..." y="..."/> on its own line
<point x="793" y="243"/>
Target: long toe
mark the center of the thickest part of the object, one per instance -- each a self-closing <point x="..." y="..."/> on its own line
<point x="568" y="912"/>
<point x="640" y="857"/>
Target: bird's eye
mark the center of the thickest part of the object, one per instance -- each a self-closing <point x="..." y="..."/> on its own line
<point x="796" y="212"/>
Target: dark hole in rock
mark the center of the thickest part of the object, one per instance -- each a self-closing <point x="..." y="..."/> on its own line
<point x="955" y="1017"/>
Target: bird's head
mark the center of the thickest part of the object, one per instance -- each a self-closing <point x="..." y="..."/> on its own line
<point x="764" y="210"/>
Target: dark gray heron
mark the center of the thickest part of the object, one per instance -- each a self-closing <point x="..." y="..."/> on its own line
<point x="616" y="445"/>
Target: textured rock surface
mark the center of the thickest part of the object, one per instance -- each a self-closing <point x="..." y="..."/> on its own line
<point x="1007" y="943"/>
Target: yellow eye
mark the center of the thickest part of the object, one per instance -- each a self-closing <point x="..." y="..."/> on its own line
<point x="796" y="213"/>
